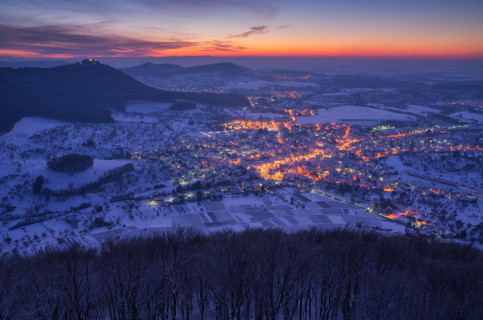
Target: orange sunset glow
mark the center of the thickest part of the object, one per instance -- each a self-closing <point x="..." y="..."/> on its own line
<point x="435" y="29"/>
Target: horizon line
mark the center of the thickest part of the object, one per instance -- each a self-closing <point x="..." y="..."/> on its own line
<point x="362" y="57"/>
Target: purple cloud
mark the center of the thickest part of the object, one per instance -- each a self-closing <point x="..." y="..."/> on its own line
<point x="218" y="45"/>
<point x="252" y="31"/>
<point x="79" y="40"/>
<point x="257" y="30"/>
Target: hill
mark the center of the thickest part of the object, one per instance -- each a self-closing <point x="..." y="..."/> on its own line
<point x="167" y="70"/>
<point x="95" y="85"/>
<point x="83" y="92"/>
<point x="15" y="103"/>
<point x="153" y="70"/>
<point x="223" y="67"/>
<point x="33" y="63"/>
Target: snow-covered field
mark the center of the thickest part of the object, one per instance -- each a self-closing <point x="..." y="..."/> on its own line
<point x="30" y="125"/>
<point x="351" y="114"/>
<point x="57" y="180"/>
<point x="420" y="109"/>
<point x="395" y="161"/>
<point x="239" y="213"/>
<point x="147" y="107"/>
<point x="468" y="116"/>
<point x="123" y="117"/>
<point x="347" y="92"/>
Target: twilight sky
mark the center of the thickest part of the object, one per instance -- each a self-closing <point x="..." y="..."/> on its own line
<point x="117" y="28"/>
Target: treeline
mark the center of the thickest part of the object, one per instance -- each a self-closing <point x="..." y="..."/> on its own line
<point x="71" y="163"/>
<point x="14" y="104"/>
<point x="112" y="175"/>
<point x="182" y="106"/>
<point x="254" y="274"/>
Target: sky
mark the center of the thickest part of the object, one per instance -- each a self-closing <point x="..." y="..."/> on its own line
<point x="308" y="28"/>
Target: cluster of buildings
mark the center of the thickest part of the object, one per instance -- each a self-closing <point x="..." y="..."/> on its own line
<point x="256" y="156"/>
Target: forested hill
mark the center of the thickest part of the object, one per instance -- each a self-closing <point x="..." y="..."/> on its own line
<point x="83" y="92"/>
<point x="99" y="85"/>
<point x="254" y="274"/>
<point x="15" y="102"/>
<point x="166" y="70"/>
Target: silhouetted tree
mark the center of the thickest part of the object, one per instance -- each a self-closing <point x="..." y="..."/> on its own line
<point x="255" y="274"/>
<point x="38" y="183"/>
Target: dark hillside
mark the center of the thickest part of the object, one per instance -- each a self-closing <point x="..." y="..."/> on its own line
<point x="15" y="103"/>
<point x="167" y="70"/>
<point x="153" y="70"/>
<point x="223" y="67"/>
<point x="83" y="92"/>
<point x="96" y="85"/>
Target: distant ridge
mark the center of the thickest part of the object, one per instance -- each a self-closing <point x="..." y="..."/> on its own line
<point x="167" y="69"/>
<point x="223" y="67"/>
<point x="78" y="92"/>
<point x="153" y="70"/>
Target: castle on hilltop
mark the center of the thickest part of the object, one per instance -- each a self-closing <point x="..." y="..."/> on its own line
<point x="90" y="62"/>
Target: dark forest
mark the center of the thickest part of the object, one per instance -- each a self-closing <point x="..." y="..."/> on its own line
<point x="254" y="274"/>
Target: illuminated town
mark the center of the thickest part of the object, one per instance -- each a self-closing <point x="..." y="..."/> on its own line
<point x="297" y="156"/>
<point x="333" y="157"/>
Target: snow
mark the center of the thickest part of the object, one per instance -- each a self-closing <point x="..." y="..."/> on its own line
<point x="256" y="84"/>
<point x="134" y="217"/>
<point x="7" y="169"/>
<point x="341" y="93"/>
<point x="123" y="117"/>
<point x="30" y="125"/>
<point x="395" y="161"/>
<point x="351" y="113"/>
<point x="147" y="107"/>
<point x="295" y="84"/>
<point x="468" y="116"/>
<point x="420" y="109"/>
<point x="255" y="115"/>
<point x="347" y="91"/>
<point x="350" y="91"/>
<point x="250" y="85"/>
<point x="57" y="180"/>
